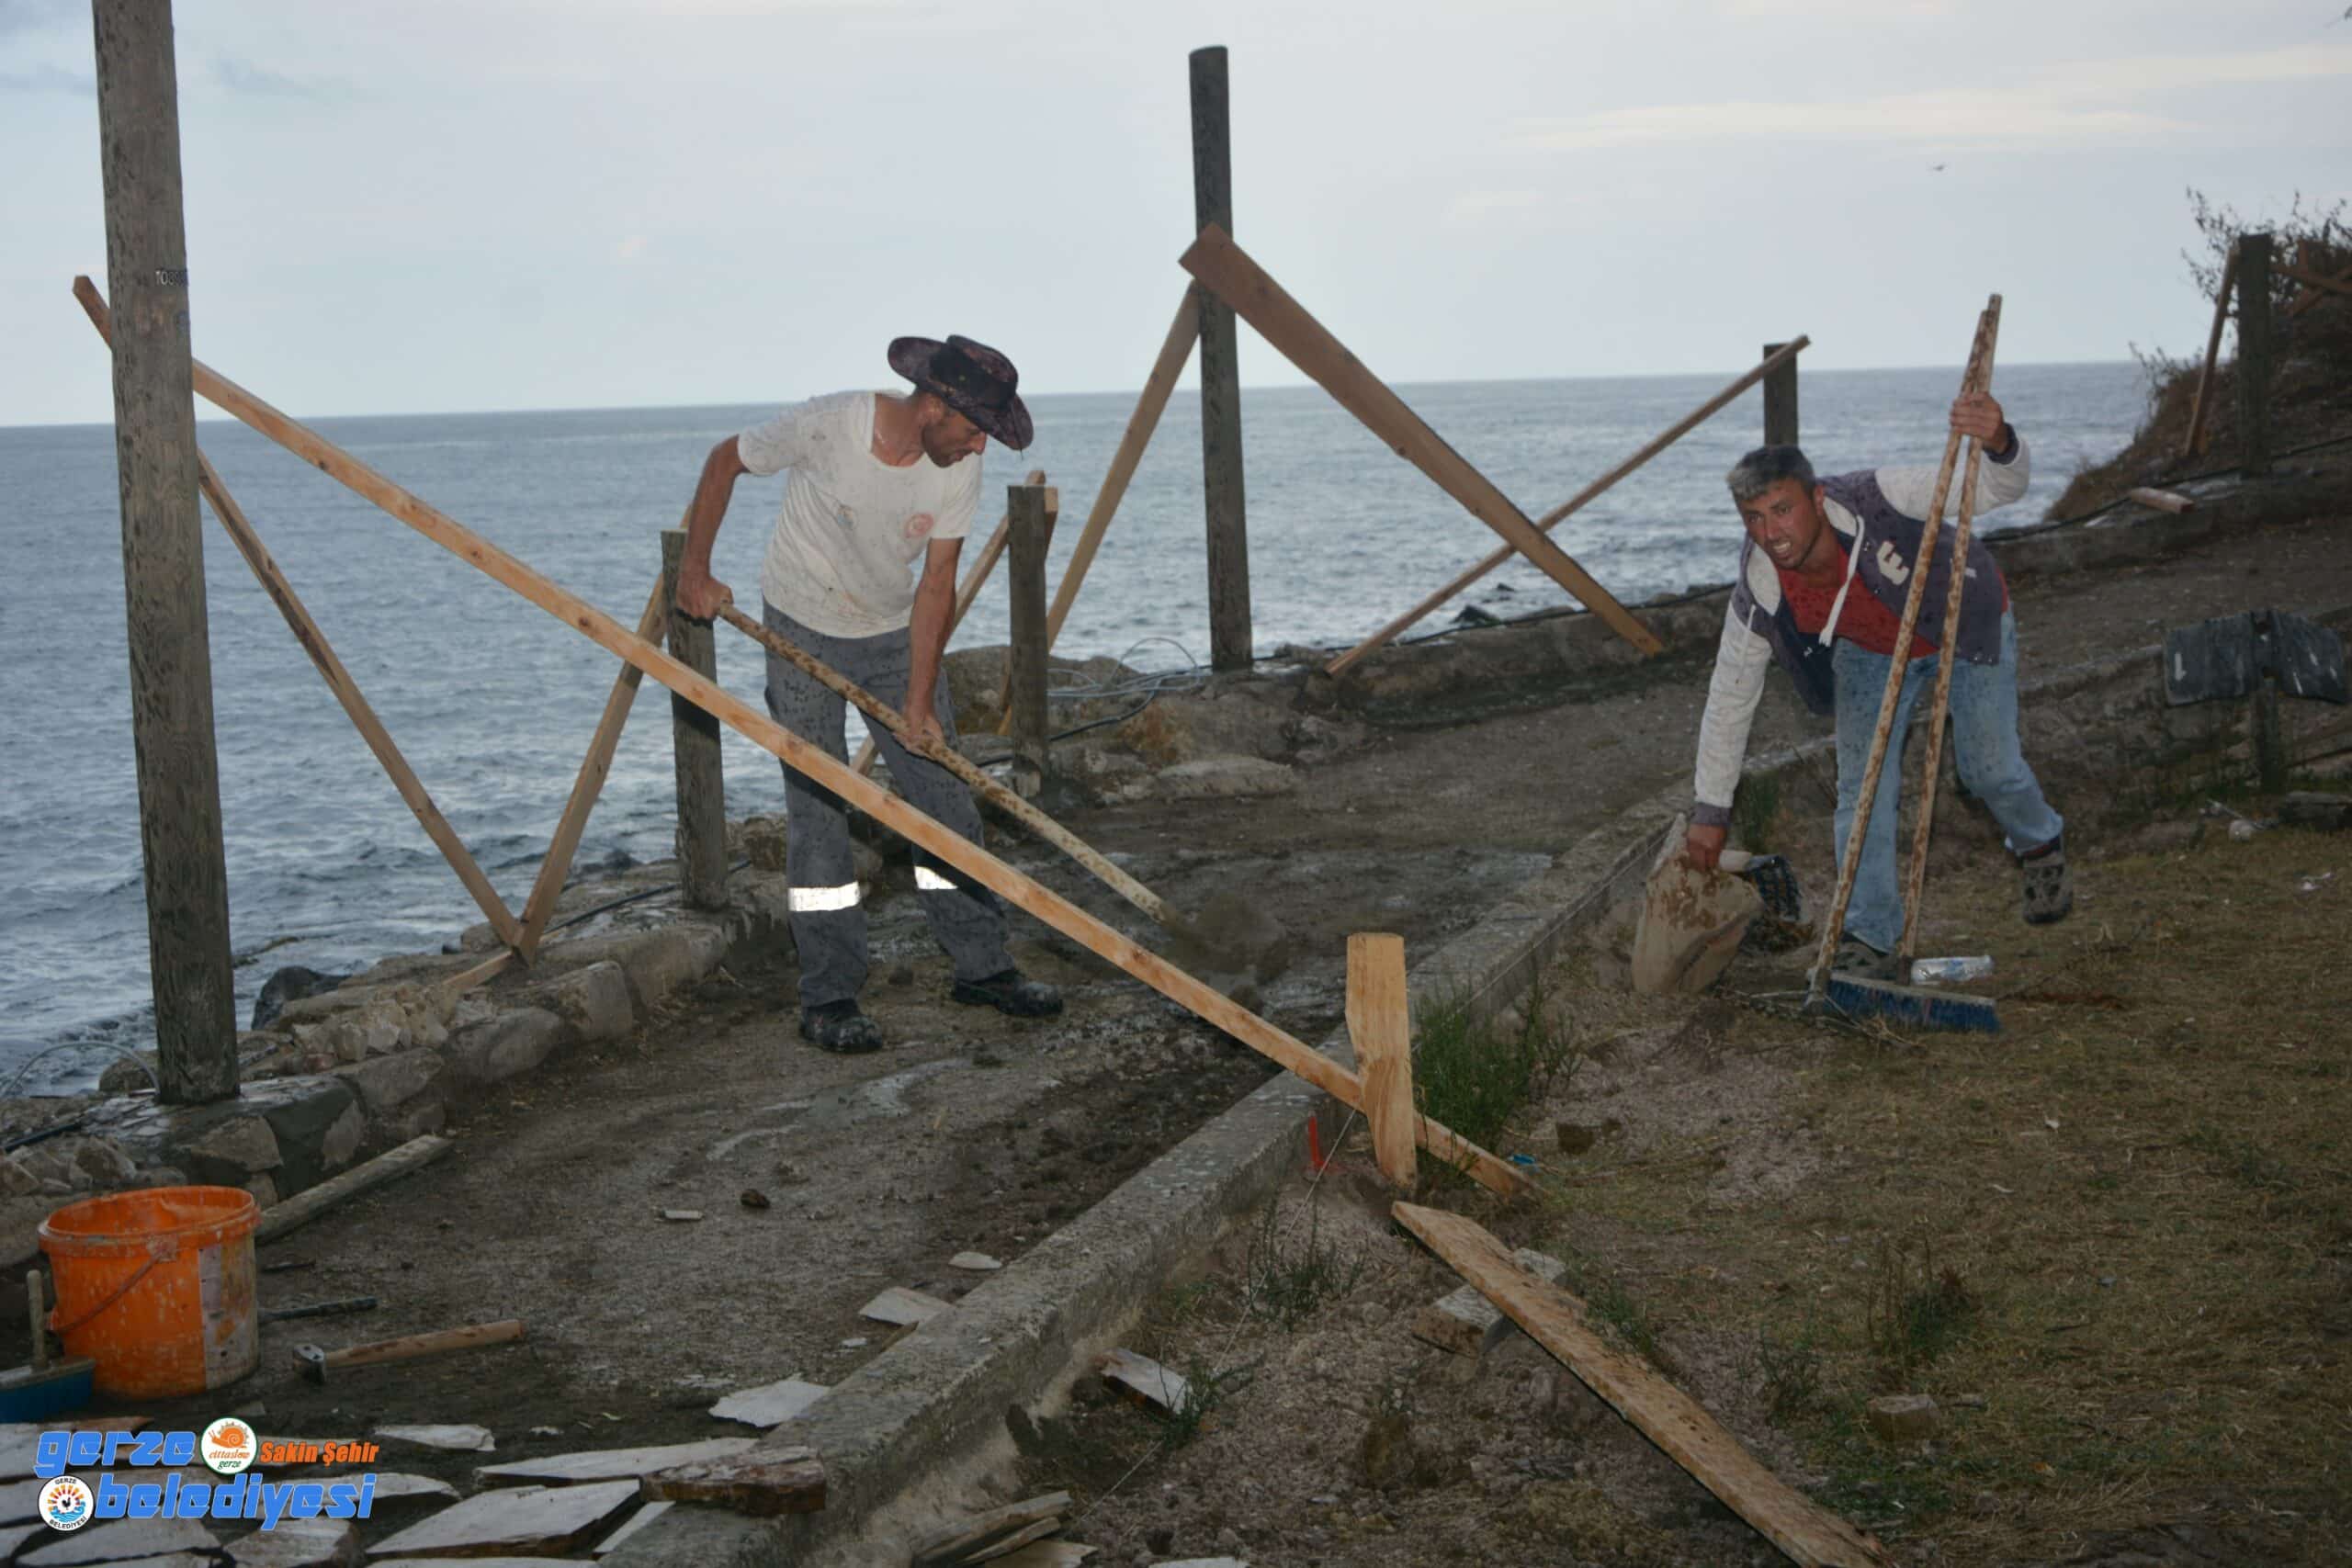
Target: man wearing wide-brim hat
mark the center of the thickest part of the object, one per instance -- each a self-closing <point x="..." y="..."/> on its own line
<point x="876" y="480"/>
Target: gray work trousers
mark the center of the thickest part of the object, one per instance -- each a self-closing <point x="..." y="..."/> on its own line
<point x="828" y="921"/>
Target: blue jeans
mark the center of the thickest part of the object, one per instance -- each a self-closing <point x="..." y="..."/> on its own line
<point x="1984" y="746"/>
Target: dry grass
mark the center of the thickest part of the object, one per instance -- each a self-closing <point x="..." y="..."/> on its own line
<point x="2126" y="1223"/>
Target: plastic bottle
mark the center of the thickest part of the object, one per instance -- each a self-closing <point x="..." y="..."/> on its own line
<point x="1950" y="971"/>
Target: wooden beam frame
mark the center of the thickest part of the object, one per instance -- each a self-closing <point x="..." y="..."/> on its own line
<point x="1552" y="519"/>
<point x="1181" y="989"/>
<point x="593" y="768"/>
<point x="1228" y="272"/>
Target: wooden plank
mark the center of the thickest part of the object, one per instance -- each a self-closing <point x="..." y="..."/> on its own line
<point x="2162" y="500"/>
<point x="527" y="1519"/>
<point x="1141" y="1378"/>
<point x="1049" y="1555"/>
<point x="903" y="1308"/>
<point x="1783" y="357"/>
<point x="182" y="864"/>
<point x="587" y="785"/>
<point x="1662" y="1413"/>
<point x="480" y="974"/>
<point x="608" y="1464"/>
<point x="949" y="846"/>
<point x="696" y="765"/>
<point x="356" y="707"/>
<point x="2310" y="297"/>
<point x="1468" y="1323"/>
<point x="390" y="1165"/>
<point x="1173" y="354"/>
<point x="958" y="1542"/>
<point x="763" y="1483"/>
<point x="1380" y="1023"/>
<point x="2309" y="279"/>
<point x="2193" y="441"/>
<point x="771" y="1405"/>
<point x="1228" y="272"/>
<point x="975" y="578"/>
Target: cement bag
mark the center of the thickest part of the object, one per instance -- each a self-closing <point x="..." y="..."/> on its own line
<point x="1691" y="921"/>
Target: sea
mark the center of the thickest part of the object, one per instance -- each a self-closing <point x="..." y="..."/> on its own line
<point x="493" y="701"/>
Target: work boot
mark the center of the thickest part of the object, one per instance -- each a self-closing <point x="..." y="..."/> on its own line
<point x="1009" y="991"/>
<point x="1860" y="959"/>
<point x="840" y="1028"/>
<point x="2049" y="886"/>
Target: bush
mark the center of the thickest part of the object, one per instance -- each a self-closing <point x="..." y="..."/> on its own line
<point x="1472" y="1077"/>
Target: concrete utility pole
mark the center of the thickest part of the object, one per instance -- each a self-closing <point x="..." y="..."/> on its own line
<point x="1220" y="375"/>
<point x="163" y="555"/>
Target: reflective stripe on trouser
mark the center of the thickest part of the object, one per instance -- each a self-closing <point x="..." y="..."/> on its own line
<point x="966" y="919"/>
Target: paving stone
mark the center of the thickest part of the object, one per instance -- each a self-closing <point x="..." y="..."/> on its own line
<point x="1905" y="1418"/>
<point x="507" y="1045"/>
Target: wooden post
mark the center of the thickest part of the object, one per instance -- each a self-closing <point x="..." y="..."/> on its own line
<point x="2192" y="442"/>
<point x="1228" y="531"/>
<point x="694" y="739"/>
<point x="1380" y="1023"/>
<point x="1027" y="657"/>
<point x="2253" y="354"/>
<point x="1779" y="400"/>
<point x="163" y="556"/>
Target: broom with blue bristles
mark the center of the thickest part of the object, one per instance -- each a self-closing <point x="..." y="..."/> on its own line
<point x="1853" y="995"/>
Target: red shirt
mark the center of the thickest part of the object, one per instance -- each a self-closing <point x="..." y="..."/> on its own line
<point x="1864" y="621"/>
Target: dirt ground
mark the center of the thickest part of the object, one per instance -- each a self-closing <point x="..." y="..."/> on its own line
<point x="975" y="1132"/>
<point x="2114" y="1242"/>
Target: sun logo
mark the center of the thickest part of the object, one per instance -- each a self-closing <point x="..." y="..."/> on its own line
<point x="66" y="1503"/>
<point x="228" y="1445"/>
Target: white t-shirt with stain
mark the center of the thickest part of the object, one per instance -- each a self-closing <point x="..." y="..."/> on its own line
<point x="851" y="525"/>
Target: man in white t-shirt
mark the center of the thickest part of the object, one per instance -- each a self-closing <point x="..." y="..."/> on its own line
<point x="876" y="481"/>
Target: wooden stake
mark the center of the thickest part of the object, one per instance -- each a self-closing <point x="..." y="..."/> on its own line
<point x="1784" y="354"/>
<point x="1173" y="352"/>
<point x="1229" y="273"/>
<point x="694" y="761"/>
<point x="182" y="858"/>
<point x="1780" y="398"/>
<point x="355" y="707"/>
<point x="1956" y="576"/>
<point x="306" y="1206"/>
<point x="1678" y="1425"/>
<point x="587" y="785"/>
<point x="956" y="763"/>
<point x="1817" y="986"/>
<point x="2253" y="354"/>
<point x="1222" y="491"/>
<point x="1024" y="659"/>
<point x="1380" y="1023"/>
<point x="1185" y="991"/>
<point x="974" y="579"/>
<point x="2194" y="441"/>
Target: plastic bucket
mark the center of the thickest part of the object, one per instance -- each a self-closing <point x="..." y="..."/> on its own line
<point x="157" y="1286"/>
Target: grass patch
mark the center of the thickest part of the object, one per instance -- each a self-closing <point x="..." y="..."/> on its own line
<point x="1291" y="1276"/>
<point x="1474" y="1076"/>
<point x="1916" y="1310"/>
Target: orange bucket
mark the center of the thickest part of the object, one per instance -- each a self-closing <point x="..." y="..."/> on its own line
<point x="157" y="1286"/>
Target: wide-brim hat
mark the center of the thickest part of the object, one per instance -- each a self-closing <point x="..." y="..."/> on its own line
<point x="970" y="378"/>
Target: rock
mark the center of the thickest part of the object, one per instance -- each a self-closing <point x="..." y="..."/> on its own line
<point x="299" y="1543"/>
<point x="509" y="1043"/>
<point x="660" y="962"/>
<point x="763" y="841"/>
<point x="343" y="1136"/>
<point x="1231" y="933"/>
<point x="291" y="983"/>
<point x="105" y="1164"/>
<point x="315" y="1118"/>
<point x="2312" y="808"/>
<point x="593" y="1000"/>
<point x="1225" y="777"/>
<point x="264" y="1189"/>
<point x="388" y="1084"/>
<point x="244" y="1144"/>
<point x="16" y="1179"/>
<point x="1574" y="1138"/>
<point x="1385" y="1458"/>
<point x="1905" y="1418"/>
<point x="976" y="1262"/>
<point x="127" y="1075"/>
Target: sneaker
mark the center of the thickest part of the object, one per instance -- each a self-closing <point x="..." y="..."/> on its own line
<point x="840" y="1028"/>
<point x="1009" y="991"/>
<point x="2049" y="886"/>
<point x="1860" y="959"/>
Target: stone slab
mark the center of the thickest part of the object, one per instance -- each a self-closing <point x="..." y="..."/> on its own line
<point x="607" y="1464"/>
<point x="121" y="1540"/>
<point x="300" y="1543"/>
<point x="900" y="1307"/>
<point x="771" y="1405"/>
<point x="530" y="1519"/>
<point x="457" y="1439"/>
<point x="1468" y="1323"/>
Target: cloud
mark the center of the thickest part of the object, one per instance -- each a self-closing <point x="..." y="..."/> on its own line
<point x="630" y="249"/>
<point x="37" y="16"/>
<point x="47" y="79"/>
<point x="261" y="81"/>
<point x="2079" y="102"/>
<point x="1472" y="206"/>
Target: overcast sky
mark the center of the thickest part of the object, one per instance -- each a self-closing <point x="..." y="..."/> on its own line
<point x="501" y="204"/>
